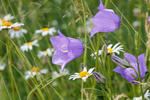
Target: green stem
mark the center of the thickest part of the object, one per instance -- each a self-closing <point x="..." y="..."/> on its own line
<point x="142" y="92"/>
<point x="84" y="20"/>
<point x="81" y="90"/>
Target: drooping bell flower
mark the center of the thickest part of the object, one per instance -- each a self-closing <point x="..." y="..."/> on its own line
<point x="66" y="49"/>
<point x="105" y="20"/>
<point x="132" y="73"/>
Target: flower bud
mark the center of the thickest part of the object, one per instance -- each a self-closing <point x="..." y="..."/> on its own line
<point x="119" y="61"/>
<point x="99" y="77"/>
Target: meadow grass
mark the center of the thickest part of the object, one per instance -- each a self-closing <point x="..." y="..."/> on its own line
<point x="68" y="16"/>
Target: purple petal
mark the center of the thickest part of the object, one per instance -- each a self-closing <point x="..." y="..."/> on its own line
<point x="142" y="65"/>
<point x="101" y="6"/>
<point x="132" y="60"/>
<point x="76" y="47"/>
<point x="126" y="73"/>
<point x="105" y="21"/>
<point x="60" y="58"/>
<point x="60" y="42"/>
<point x="60" y="34"/>
<point x="66" y="49"/>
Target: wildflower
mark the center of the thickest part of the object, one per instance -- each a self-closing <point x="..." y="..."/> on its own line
<point x="66" y="49"/>
<point x="34" y="71"/>
<point x="29" y="45"/>
<point x="115" y="49"/>
<point x="46" y="31"/>
<point x="56" y="74"/>
<point x="47" y="52"/>
<point x="99" y="77"/>
<point x="136" y="23"/>
<point x="110" y="49"/>
<point x="2" y="66"/>
<point x="136" y="11"/>
<point x="89" y="26"/>
<point x="16" y="31"/>
<point x="95" y="54"/>
<point x="130" y="73"/>
<point x="83" y="74"/>
<point x="105" y="20"/>
<point x="146" y="96"/>
<point x="5" y="22"/>
<point x="148" y="19"/>
<point x="119" y="61"/>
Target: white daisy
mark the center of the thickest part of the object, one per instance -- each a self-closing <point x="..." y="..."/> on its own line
<point x="95" y="54"/>
<point x="46" y="31"/>
<point x="83" y="74"/>
<point x="5" y="22"/>
<point x="89" y="26"/>
<point x="56" y="74"/>
<point x="47" y="52"/>
<point x="34" y="71"/>
<point x="28" y="46"/>
<point x="117" y="48"/>
<point x="2" y="66"/>
<point x="136" y="11"/>
<point x="146" y="96"/>
<point x="136" y="24"/>
<point x="16" y="31"/>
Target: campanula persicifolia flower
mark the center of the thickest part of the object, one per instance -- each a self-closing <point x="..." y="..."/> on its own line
<point x="66" y="49"/>
<point x="105" y="20"/>
<point x="132" y="73"/>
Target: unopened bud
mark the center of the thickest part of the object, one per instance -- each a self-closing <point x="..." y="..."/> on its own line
<point x="119" y="61"/>
<point x="99" y="77"/>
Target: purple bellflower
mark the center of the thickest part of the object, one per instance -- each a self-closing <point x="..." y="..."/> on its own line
<point x="131" y="73"/>
<point x="105" y="20"/>
<point x="66" y="49"/>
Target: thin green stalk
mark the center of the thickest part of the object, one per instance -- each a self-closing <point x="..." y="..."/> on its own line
<point x="84" y="20"/>
<point x="81" y="90"/>
<point x="13" y="83"/>
<point x="140" y="79"/>
<point x="109" y="74"/>
<point x="141" y="87"/>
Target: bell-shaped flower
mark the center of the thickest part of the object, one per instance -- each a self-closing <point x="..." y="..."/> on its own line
<point x="136" y="70"/>
<point x="66" y="49"/>
<point x="105" y="20"/>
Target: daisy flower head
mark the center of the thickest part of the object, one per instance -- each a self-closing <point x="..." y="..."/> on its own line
<point x="93" y="55"/>
<point x="16" y="31"/>
<point x="83" y="74"/>
<point x="34" y="71"/>
<point x="56" y="74"/>
<point x="117" y="48"/>
<point x="146" y="96"/>
<point x="47" y="52"/>
<point x="5" y="22"/>
<point x="2" y="66"/>
<point x="29" y="45"/>
<point x="46" y="31"/>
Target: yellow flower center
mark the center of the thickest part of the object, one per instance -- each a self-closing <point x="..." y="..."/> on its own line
<point x="6" y="23"/>
<point x="64" y="48"/>
<point x="29" y="43"/>
<point x="16" y="28"/>
<point x="45" y="29"/>
<point x="45" y="51"/>
<point x="83" y="74"/>
<point x="35" y="69"/>
<point x="110" y="50"/>
<point x="65" y="51"/>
